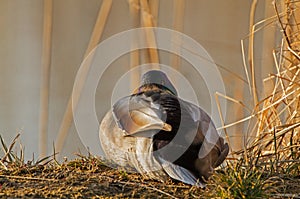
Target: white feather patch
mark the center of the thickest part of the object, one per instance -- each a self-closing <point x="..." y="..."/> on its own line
<point x="180" y="173"/>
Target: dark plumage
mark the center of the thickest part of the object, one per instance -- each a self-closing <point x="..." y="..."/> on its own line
<point x="157" y="133"/>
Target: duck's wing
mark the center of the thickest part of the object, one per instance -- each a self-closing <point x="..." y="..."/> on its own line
<point x="206" y="134"/>
<point x="139" y="115"/>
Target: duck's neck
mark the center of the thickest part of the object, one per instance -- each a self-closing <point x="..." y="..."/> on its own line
<point x="153" y="87"/>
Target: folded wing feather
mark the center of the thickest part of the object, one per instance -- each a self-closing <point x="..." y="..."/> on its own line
<point x="137" y="116"/>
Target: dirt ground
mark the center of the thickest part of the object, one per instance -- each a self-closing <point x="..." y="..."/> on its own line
<point x="88" y="177"/>
<point x="85" y="178"/>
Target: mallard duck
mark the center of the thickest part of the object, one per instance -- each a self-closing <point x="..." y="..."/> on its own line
<point x="158" y="134"/>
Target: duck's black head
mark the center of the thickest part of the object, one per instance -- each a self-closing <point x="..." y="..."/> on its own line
<point x="158" y="78"/>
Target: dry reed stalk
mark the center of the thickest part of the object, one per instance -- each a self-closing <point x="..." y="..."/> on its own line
<point x="73" y="100"/>
<point x="147" y="21"/>
<point x="45" y="77"/>
<point x="253" y="88"/>
<point x="237" y="104"/>
<point x="239" y="113"/>
<point x="257" y="113"/>
<point x="268" y="43"/>
<point x="154" y="7"/>
<point x="178" y="19"/>
<point x="278" y="132"/>
<point x="134" y="7"/>
<point x="251" y="51"/>
<point x="217" y="94"/>
<point x="28" y="178"/>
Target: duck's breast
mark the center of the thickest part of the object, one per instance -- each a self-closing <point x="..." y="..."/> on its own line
<point x="128" y="151"/>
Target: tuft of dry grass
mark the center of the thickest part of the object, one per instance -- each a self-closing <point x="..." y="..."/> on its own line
<point x="269" y="164"/>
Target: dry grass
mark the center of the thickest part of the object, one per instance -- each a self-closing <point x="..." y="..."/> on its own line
<point x="269" y="165"/>
<point x="89" y="177"/>
<point x="85" y="177"/>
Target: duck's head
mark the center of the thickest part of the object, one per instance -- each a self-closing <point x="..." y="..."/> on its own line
<point x="159" y="79"/>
